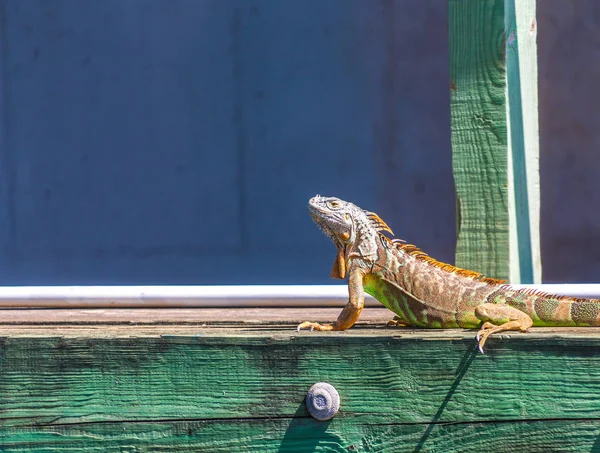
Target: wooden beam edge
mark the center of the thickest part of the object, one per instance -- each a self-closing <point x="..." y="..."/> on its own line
<point x="523" y="141"/>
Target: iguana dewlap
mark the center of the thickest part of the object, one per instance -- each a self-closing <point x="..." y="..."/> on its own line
<point x="423" y="292"/>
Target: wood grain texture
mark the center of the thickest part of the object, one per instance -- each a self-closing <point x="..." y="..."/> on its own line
<point x="181" y="387"/>
<point x="307" y="435"/>
<point x="479" y="134"/>
<point x="182" y="316"/>
<point x="523" y="144"/>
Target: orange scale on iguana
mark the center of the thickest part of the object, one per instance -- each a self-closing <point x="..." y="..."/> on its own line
<point x="424" y="292"/>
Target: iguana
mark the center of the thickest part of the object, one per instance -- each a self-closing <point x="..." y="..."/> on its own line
<point x="424" y="292"/>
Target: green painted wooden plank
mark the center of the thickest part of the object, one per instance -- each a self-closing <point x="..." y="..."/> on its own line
<point x="523" y="145"/>
<point x="67" y="381"/>
<point x="479" y="134"/>
<point x="495" y="144"/>
<point x="243" y="390"/>
<point x="307" y="435"/>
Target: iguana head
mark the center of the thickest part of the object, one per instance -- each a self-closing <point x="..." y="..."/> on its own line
<point x="344" y="222"/>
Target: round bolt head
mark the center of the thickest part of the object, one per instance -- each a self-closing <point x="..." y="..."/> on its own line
<point x="322" y="401"/>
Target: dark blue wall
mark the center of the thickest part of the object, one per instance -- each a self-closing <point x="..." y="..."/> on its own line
<point x="569" y="74"/>
<point x="153" y="141"/>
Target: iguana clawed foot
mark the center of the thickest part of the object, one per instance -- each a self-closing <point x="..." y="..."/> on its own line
<point x="502" y="317"/>
<point x="314" y="326"/>
<point x="483" y="334"/>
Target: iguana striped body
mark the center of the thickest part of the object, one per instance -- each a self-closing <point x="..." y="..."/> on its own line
<point x="423" y="292"/>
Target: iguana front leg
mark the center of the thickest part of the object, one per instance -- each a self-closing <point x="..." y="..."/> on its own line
<point x="351" y="311"/>
<point x="499" y="318"/>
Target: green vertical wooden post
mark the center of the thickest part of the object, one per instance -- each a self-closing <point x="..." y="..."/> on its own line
<point x="479" y="134"/>
<point x="491" y="133"/>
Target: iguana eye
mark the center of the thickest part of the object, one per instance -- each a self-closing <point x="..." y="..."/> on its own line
<point x="333" y="204"/>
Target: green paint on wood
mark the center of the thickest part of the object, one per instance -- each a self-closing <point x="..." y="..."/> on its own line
<point x="242" y="390"/>
<point x="479" y="134"/>
<point x="523" y="154"/>
<point x="495" y="141"/>
<point x="307" y="435"/>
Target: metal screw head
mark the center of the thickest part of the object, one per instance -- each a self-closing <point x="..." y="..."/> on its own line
<point x="322" y="401"/>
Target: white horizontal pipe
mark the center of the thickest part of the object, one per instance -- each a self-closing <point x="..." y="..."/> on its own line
<point x="172" y="296"/>
<point x="209" y="296"/>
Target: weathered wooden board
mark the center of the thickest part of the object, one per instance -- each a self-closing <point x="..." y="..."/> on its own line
<point x="306" y="435"/>
<point x="479" y="134"/>
<point x="495" y="150"/>
<point x="523" y="141"/>
<point x="237" y="316"/>
<point x="180" y="387"/>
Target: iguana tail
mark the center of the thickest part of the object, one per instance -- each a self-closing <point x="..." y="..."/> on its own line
<point x="553" y="310"/>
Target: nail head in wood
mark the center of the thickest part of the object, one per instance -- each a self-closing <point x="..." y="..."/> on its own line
<point x="322" y="401"/>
